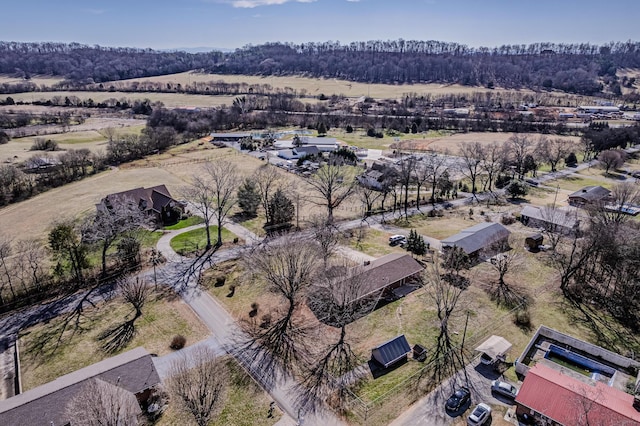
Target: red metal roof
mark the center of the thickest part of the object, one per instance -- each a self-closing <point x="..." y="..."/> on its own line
<point x="570" y="401"/>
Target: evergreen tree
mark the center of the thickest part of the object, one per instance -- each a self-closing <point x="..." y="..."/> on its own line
<point x="416" y="244"/>
<point x="281" y="211"/>
<point x="249" y="198"/>
<point x="571" y="159"/>
<point x="322" y="129"/>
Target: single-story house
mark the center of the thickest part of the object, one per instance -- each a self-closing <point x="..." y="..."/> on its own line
<point x="554" y="220"/>
<point x="391" y="352"/>
<point x="371" y="179"/>
<point x="556" y="398"/>
<point x="156" y="202"/>
<point x="132" y="371"/>
<point x="298" y="152"/>
<point x="589" y="195"/>
<point x="324" y="144"/>
<point x="389" y="272"/>
<point x="476" y="238"/>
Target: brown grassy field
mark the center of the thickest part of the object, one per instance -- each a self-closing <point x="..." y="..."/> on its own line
<point x="316" y="86"/>
<point x="164" y="316"/>
<point x="37" y="79"/>
<point x="452" y="143"/>
<point x="32" y="218"/>
<point x="170" y="100"/>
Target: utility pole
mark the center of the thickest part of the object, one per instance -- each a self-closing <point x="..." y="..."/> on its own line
<point x="464" y="335"/>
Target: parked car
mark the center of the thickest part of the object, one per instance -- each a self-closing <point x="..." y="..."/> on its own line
<point x="479" y="415"/>
<point x="396" y="240"/>
<point x="532" y="182"/>
<point x="505" y="389"/>
<point x="458" y="399"/>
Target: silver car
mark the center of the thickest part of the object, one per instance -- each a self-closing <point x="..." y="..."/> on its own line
<point x="505" y="389"/>
<point x="479" y="415"/>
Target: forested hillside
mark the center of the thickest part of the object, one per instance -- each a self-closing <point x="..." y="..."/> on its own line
<point x="576" y="68"/>
<point x="81" y="62"/>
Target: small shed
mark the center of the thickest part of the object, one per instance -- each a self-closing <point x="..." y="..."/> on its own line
<point x="419" y="352"/>
<point x="534" y="241"/>
<point x="391" y="352"/>
<point x="494" y="348"/>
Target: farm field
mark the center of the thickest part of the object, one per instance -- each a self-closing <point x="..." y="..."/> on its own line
<point x="36" y="79"/>
<point x="316" y="86"/>
<point x="170" y="100"/>
<point x="452" y="142"/>
<point x="33" y="217"/>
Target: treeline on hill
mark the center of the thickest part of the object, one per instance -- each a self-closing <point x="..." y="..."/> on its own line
<point x="572" y="68"/>
<point x="576" y="68"/>
<point x="76" y="61"/>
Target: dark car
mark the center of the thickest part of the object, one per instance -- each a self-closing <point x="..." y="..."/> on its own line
<point x="505" y="389"/>
<point x="458" y="399"/>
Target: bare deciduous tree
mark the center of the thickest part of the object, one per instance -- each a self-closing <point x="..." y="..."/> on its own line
<point x="505" y="260"/>
<point x="332" y="185"/>
<point x="212" y="194"/>
<point x="198" y="384"/>
<point x="224" y="180"/>
<point x="552" y="151"/>
<point x="406" y="176"/>
<point x="111" y="222"/>
<point x="6" y="272"/>
<point x="446" y="358"/>
<point x="519" y="147"/>
<point x="492" y="163"/>
<point x="338" y="298"/>
<point x="612" y="159"/>
<point x="100" y="403"/>
<point x="268" y="180"/>
<point x="368" y="197"/>
<point x="287" y="267"/>
<point x="471" y="154"/>
<point x="135" y="291"/>
<point x="327" y="236"/>
<point x="435" y="165"/>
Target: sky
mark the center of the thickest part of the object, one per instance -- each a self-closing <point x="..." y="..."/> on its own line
<point x="229" y="24"/>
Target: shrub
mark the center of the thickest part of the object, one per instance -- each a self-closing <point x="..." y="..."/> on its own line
<point x="254" y="306"/>
<point x="235" y="240"/>
<point x="40" y="144"/>
<point x="522" y="318"/>
<point x="507" y="219"/>
<point x="470" y="212"/>
<point x="178" y="342"/>
<point x="220" y="281"/>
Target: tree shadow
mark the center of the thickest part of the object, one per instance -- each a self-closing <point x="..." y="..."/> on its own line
<point x="509" y="296"/>
<point x="118" y="337"/>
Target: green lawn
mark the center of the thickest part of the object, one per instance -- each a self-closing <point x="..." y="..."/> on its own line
<point x="197" y="239"/>
<point x="185" y="223"/>
<point x="246" y="404"/>
<point x="50" y="350"/>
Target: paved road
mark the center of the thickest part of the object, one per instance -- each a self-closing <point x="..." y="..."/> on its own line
<point x="430" y="409"/>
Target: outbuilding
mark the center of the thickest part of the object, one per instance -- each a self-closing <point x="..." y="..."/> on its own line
<point x="392" y="352"/>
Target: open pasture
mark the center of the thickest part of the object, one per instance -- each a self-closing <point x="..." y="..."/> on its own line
<point x="317" y="86"/>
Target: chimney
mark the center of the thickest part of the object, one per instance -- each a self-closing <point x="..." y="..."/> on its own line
<point x="367" y="262"/>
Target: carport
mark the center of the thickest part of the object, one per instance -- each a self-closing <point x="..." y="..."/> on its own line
<point x="493" y="349"/>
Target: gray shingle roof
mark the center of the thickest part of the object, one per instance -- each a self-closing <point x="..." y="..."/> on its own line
<point x="133" y="371"/>
<point x="388" y="270"/>
<point x="591" y="193"/>
<point x="557" y="217"/>
<point x="391" y="351"/>
<point x="477" y="237"/>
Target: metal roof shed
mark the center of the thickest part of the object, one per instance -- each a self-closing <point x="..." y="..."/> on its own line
<point x="494" y="347"/>
<point x="392" y="351"/>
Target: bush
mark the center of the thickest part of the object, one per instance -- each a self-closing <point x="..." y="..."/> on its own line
<point x="265" y="321"/>
<point x="507" y="219"/>
<point x="220" y="281"/>
<point x="178" y="342"/>
<point x="40" y="144"/>
<point x="235" y="240"/>
<point x="522" y="318"/>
